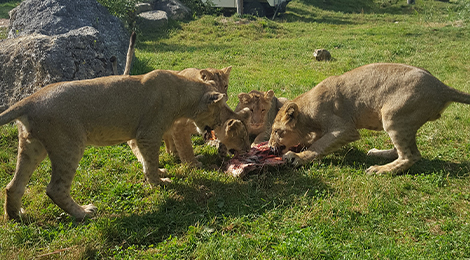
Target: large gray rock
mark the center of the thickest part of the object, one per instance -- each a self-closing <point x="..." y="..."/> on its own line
<point x="58" y="40"/>
<point x="152" y="19"/>
<point x="175" y="9"/>
<point x="28" y="63"/>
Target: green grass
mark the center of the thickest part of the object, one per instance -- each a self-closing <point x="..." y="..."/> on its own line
<point x="5" y="7"/>
<point x="328" y="209"/>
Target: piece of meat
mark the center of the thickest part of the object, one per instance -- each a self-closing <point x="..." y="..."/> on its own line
<point x="258" y="157"/>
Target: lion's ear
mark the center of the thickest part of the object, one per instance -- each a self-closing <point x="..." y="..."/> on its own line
<point x="233" y="127"/>
<point x="213" y="97"/>
<point x="205" y="75"/>
<point x="227" y="70"/>
<point x="291" y="112"/>
<point x="244" y="114"/>
<point x="269" y="94"/>
<point x="244" y="97"/>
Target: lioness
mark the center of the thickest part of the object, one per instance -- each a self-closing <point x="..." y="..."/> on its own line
<point x="61" y="119"/>
<point x="264" y="107"/>
<point x="396" y="98"/>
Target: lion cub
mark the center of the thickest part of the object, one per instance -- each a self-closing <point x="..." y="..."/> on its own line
<point x="396" y="98"/>
<point x="264" y="107"/>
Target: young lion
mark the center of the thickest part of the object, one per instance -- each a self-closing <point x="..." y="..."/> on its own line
<point x="264" y="107"/>
<point x="61" y="119"/>
<point x="178" y="137"/>
<point x="396" y="98"/>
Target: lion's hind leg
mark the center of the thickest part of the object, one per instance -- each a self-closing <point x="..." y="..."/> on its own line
<point x="30" y="153"/>
<point x="406" y="149"/>
<point x="64" y="163"/>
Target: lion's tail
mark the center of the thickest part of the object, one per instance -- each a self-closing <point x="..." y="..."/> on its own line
<point x="14" y="112"/>
<point x="459" y="96"/>
<point x="130" y="54"/>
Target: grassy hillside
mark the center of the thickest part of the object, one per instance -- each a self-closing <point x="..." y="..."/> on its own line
<point x="328" y="209"/>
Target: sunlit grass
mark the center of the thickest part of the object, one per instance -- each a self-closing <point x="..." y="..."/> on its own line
<point x="327" y="209"/>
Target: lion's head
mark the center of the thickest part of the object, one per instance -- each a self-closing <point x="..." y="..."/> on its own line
<point x="259" y="104"/>
<point x="284" y="134"/>
<point x="234" y="134"/>
<point x="216" y="77"/>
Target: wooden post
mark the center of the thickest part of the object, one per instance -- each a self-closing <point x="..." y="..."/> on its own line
<point x="240" y="7"/>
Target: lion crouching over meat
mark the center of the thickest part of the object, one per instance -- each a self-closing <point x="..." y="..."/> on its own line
<point x="396" y="98"/>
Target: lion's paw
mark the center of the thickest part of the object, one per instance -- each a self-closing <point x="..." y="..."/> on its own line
<point x="377" y="169"/>
<point x="292" y="158"/>
<point x="165" y="180"/>
<point x="372" y="152"/>
<point x="90" y="209"/>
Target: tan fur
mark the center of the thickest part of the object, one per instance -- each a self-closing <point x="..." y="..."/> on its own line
<point x="396" y="98"/>
<point x="178" y="137"/>
<point x="233" y="133"/>
<point x="264" y="107"/>
<point x="130" y="54"/>
<point x="61" y="119"/>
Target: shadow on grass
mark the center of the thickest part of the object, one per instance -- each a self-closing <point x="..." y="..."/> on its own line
<point x="362" y="6"/>
<point x="203" y="201"/>
<point x="358" y="159"/>
<point x="206" y="202"/>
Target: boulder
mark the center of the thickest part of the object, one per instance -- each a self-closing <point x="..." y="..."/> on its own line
<point x="58" y="40"/>
<point x="175" y="9"/>
<point x="143" y="7"/>
<point x="30" y="62"/>
<point x="152" y="19"/>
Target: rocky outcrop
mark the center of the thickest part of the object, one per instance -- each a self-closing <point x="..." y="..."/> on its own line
<point x="58" y="40"/>
<point x="162" y="10"/>
<point x="30" y="62"/>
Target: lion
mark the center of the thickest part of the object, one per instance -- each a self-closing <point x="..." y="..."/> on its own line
<point x="178" y="137"/>
<point x="61" y="119"/>
<point x="264" y="107"/>
<point x="396" y="98"/>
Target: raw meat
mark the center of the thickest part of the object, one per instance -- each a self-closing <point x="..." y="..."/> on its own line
<point x="258" y="157"/>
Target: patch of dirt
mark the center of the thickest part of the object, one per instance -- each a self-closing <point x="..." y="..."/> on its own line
<point x="4" y="23"/>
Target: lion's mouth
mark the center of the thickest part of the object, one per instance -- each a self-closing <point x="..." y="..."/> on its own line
<point x="277" y="150"/>
<point x="234" y="152"/>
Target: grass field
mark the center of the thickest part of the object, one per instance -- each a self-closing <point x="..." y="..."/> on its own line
<point x="329" y="209"/>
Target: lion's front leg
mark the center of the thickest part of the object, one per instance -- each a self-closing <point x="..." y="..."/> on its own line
<point x="182" y="131"/>
<point x="147" y="152"/>
<point x="326" y="144"/>
<point x="298" y="159"/>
